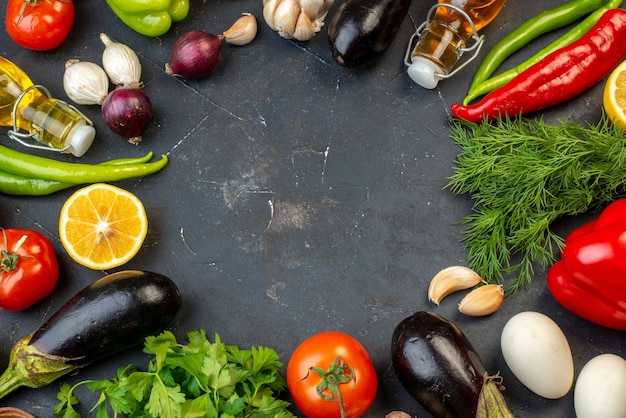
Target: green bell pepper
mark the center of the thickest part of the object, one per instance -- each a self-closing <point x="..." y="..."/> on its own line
<point x="150" y="17"/>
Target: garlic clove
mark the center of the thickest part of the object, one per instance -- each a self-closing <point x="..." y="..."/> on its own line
<point x="85" y="83"/>
<point x="304" y="28"/>
<point x="121" y="63"/>
<point x="285" y="17"/>
<point x="319" y="22"/>
<point x="483" y="300"/>
<point x="311" y="8"/>
<point x="243" y="31"/>
<point x="397" y="414"/>
<point x="451" y="279"/>
<point x="299" y="19"/>
<point x="269" y="8"/>
<point x="321" y="14"/>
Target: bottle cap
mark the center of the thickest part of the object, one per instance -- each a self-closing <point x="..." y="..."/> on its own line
<point x="424" y="72"/>
<point x="80" y="139"/>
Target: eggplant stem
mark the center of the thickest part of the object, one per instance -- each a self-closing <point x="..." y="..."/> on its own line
<point x="491" y="403"/>
<point x="31" y="368"/>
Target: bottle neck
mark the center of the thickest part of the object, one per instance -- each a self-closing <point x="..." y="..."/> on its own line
<point x="481" y="12"/>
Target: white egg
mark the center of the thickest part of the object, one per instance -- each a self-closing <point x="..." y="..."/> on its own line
<point x="601" y="388"/>
<point x="538" y="354"/>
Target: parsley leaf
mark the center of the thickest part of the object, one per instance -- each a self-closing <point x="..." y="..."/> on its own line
<point x="197" y="379"/>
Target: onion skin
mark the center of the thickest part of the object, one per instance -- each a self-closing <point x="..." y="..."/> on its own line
<point x="195" y="55"/>
<point x="127" y="112"/>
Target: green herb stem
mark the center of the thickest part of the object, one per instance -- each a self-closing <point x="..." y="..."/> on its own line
<point x="523" y="175"/>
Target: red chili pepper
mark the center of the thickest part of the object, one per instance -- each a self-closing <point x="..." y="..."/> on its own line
<point x="590" y="278"/>
<point x="560" y="76"/>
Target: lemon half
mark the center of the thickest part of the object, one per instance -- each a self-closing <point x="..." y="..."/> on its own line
<point x="102" y="226"/>
<point x="614" y="99"/>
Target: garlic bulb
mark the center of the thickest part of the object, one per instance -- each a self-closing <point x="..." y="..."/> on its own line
<point x="121" y="63"/>
<point x="298" y="19"/>
<point x="242" y="32"/>
<point x="85" y="83"/>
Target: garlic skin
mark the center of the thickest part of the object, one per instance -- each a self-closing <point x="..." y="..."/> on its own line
<point x="243" y="31"/>
<point x="85" y="83"/>
<point x="121" y="63"/>
<point x="296" y="19"/>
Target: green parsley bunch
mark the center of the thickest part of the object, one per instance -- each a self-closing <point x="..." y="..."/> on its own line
<point x="199" y="379"/>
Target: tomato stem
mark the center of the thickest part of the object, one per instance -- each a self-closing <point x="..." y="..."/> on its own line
<point x="33" y="3"/>
<point x="9" y="261"/>
<point x="337" y="374"/>
<point x="8" y="258"/>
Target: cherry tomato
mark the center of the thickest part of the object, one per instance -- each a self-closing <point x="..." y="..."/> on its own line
<point x="39" y="24"/>
<point x="28" y="268"/>
<point x="337" y="357"/>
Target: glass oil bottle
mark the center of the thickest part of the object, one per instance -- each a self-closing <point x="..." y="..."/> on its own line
<point x="440" y="41"/>
<point x="33" y="114"/>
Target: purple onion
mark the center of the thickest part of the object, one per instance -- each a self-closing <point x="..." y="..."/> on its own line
<point x="127" y="112"/>
<point x="195" y="54"/>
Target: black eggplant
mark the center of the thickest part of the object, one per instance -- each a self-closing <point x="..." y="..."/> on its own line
<point x="112" y="314"/>
<point x="362" y="30"/>
<point x="437" y="365"/>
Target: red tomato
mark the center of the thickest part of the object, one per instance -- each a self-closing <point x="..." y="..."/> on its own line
<point x="28" y="268"/>
<point x="323" y="352"/>
<point x="39" y="24"/>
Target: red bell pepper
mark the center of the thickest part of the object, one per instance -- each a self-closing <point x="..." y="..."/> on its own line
<point x="590" y="278"/>
<point x="560" y="76"/>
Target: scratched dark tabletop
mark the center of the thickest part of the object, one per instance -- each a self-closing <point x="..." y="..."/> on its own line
<point x="300" y="197"/>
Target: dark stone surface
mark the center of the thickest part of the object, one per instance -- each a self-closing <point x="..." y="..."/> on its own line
<point x="300" y="197"/>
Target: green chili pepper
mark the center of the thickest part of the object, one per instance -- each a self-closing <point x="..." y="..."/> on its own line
<point x="544" y="22"/>
<point x="36" y="167"/>
<point x="572" y="35"/>
<point x="15" y="184"/>
<point x="130" y="160"/>
<point x="150" y="17"/>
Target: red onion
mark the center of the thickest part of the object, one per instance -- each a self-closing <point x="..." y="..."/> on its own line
<point x="127" y="112"/>
<point x="195" y="54"/>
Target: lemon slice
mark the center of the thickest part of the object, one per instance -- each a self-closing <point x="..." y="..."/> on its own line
<point x="614" y="99"/>
<point x="102" y="226"/>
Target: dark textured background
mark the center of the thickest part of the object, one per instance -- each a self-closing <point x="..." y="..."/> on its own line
<point x="300" y="197"/>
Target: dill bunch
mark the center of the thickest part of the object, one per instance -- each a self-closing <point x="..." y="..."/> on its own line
<point x="523" y="174"/>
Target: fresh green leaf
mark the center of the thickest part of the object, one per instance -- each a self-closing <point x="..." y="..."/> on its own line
<point x="201" y="406"/>
<point x="159" y="346"/>
<point x="138" y="384"/>
<point x="101" y="411"/>
<point x="64" y="409"/>
<point x="264" y="358"/>
<point x="199" y="379"/>
<point x="191" y="363"/>
<point x="165" y="401"/>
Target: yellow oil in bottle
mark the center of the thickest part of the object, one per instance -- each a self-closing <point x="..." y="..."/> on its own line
<point x="45" y="119"/>
<point x="445" y="36"/>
